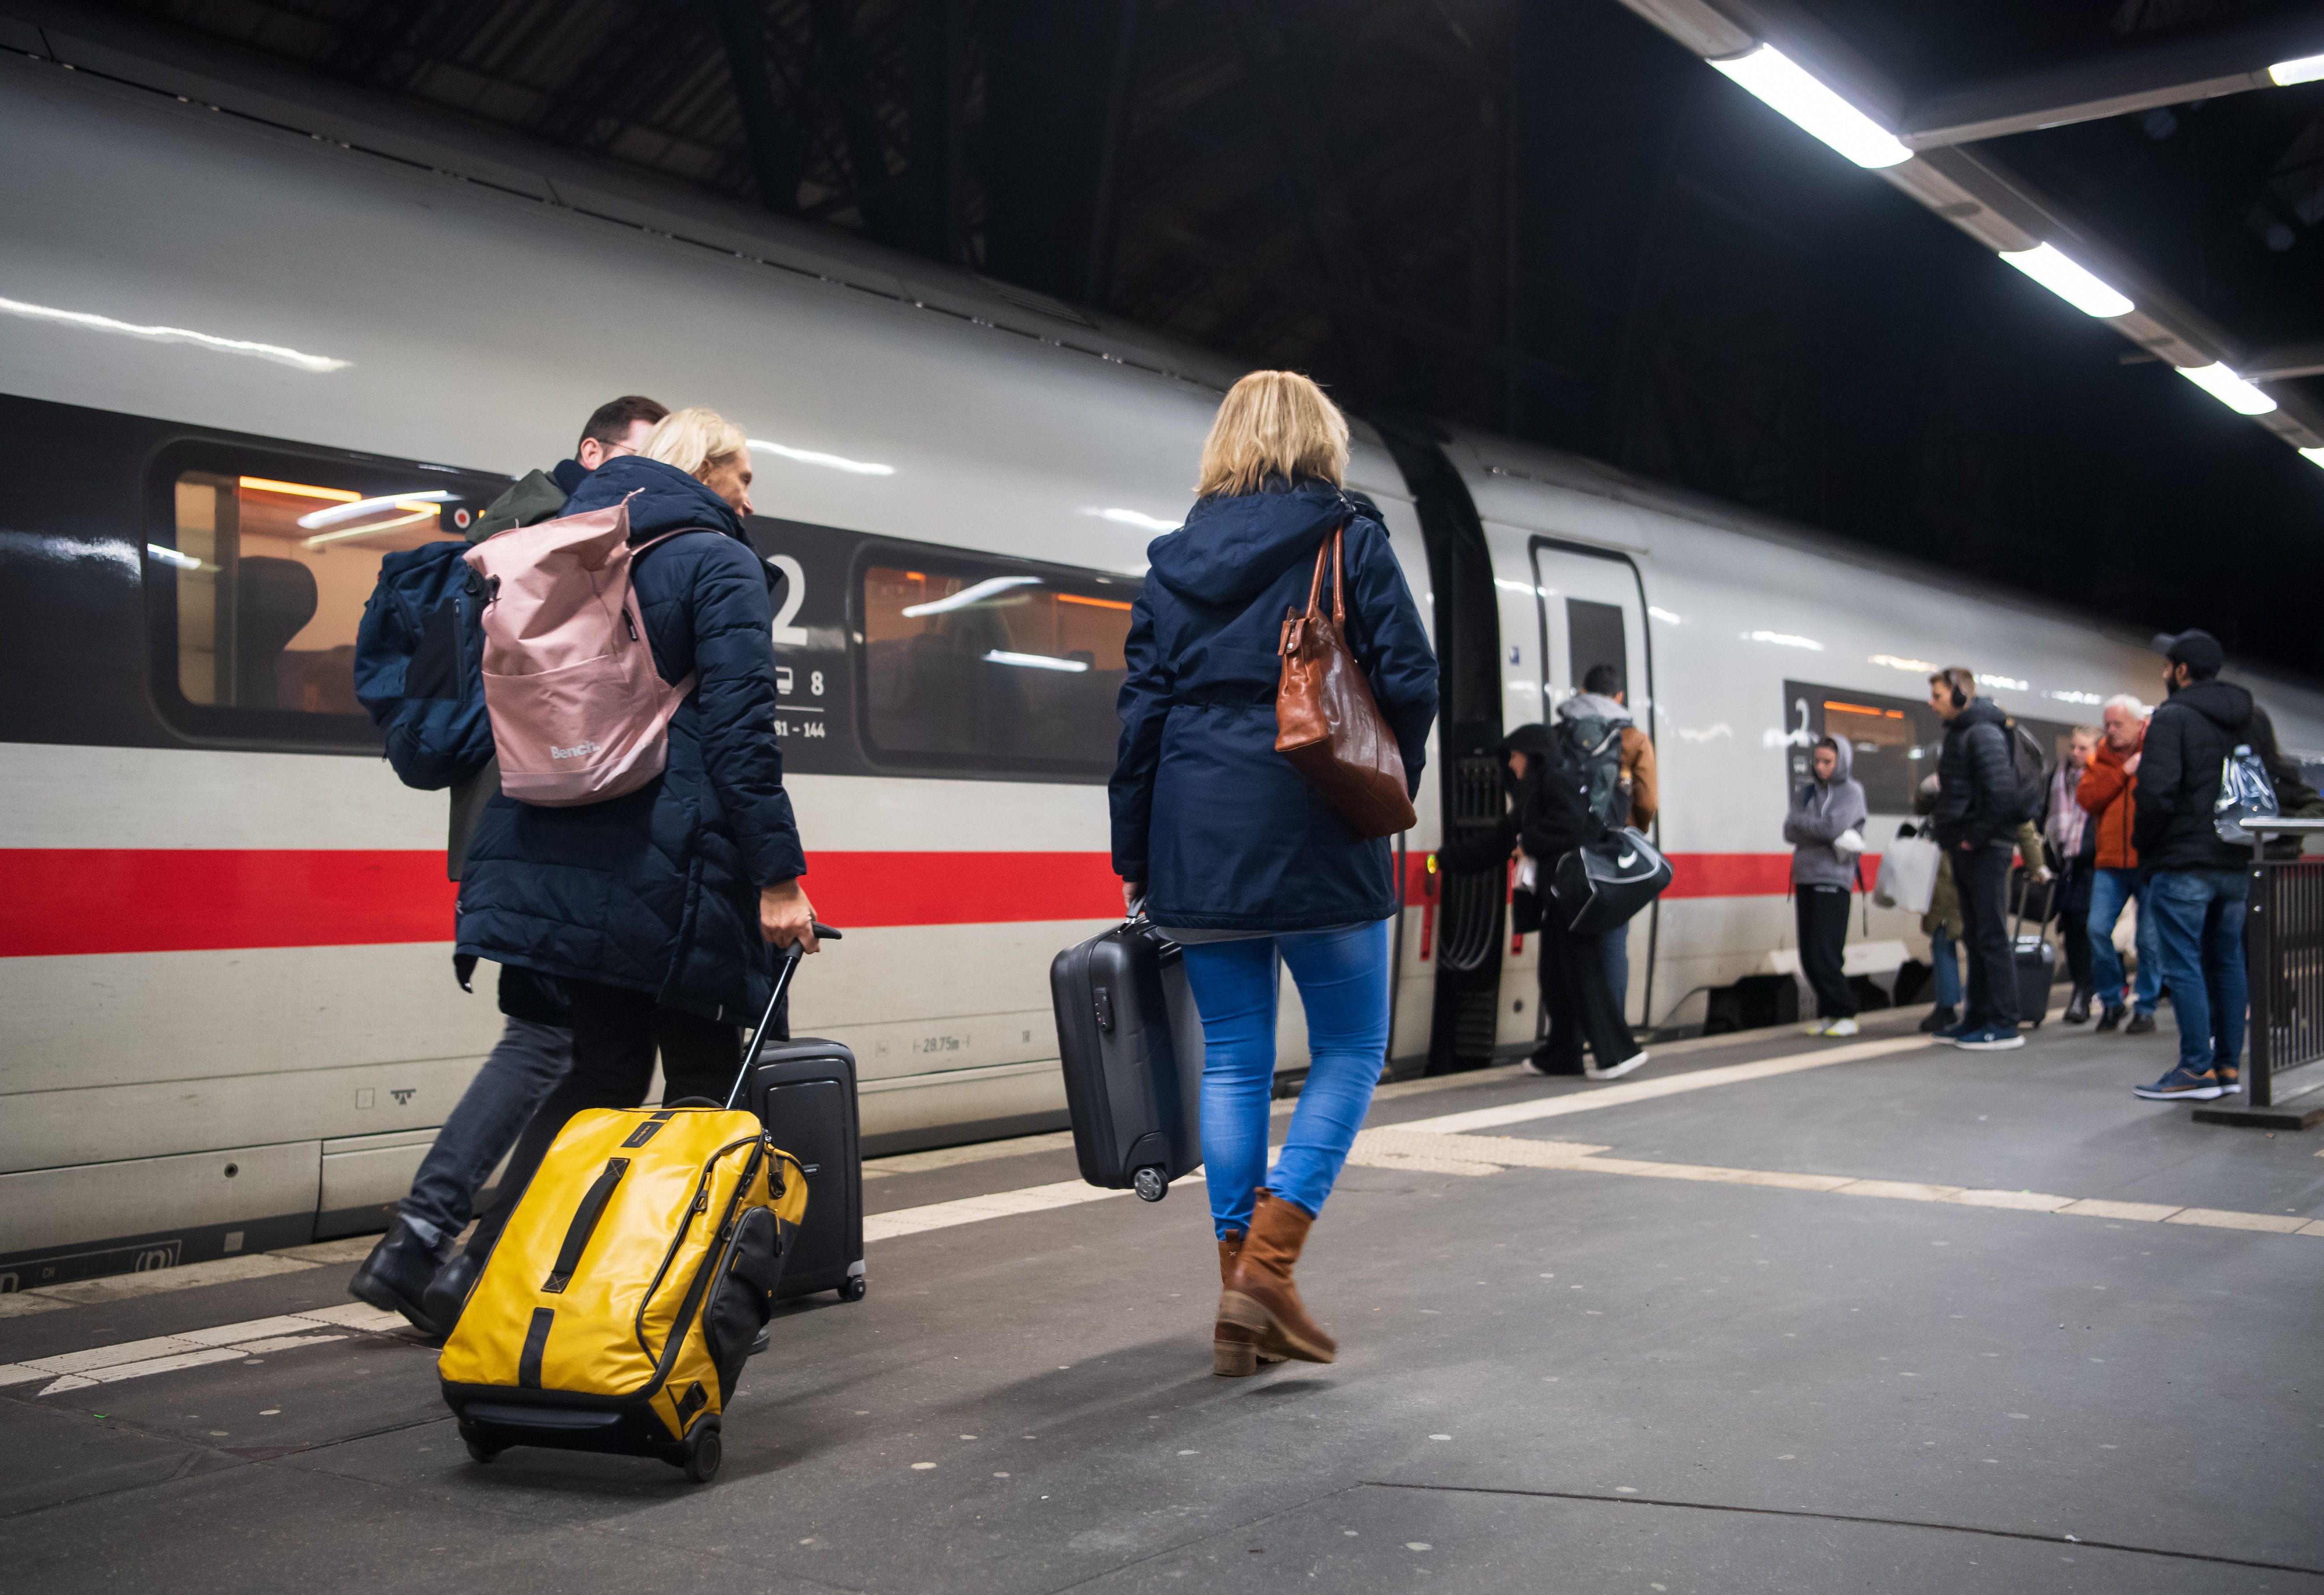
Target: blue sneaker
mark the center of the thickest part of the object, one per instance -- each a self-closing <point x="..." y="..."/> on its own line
<point x="2180" y="1085"/>
<point x="1989" y="1038"/>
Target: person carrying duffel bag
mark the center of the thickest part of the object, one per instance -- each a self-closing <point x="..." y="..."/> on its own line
<point x="1548" y="819"/>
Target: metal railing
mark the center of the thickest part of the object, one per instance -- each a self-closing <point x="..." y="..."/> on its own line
<point x="2283" y="954"/>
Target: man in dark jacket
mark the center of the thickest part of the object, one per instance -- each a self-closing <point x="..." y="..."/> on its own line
<point x="535" y="1050"/>
<point x="1976" y="822"/>
<point x="2200" y="882"/>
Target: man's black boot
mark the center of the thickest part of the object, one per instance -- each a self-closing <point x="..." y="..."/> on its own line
<point x="395" y="1276"/>
<point x="1939" y="1017"/>
<point x="448" y="1293"/>
<point x="2077" y="1007"/>
<point x="2141" y="1024"/>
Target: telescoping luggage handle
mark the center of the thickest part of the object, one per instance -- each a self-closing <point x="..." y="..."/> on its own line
<point x="789" y="962"/>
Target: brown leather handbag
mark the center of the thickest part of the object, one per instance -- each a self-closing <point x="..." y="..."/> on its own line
<point x="1326" y="720"/>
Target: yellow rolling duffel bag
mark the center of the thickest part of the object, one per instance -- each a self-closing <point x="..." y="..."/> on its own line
<point x="617" y="1311"/>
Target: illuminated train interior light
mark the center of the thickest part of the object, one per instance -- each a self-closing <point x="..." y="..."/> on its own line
<point x="981" y="593"/>
<point x="1038" y="662"/>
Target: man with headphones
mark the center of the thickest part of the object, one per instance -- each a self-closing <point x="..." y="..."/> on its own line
<point x="1976" y="822"/>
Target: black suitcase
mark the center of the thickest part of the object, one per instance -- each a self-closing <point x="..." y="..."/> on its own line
<point x="2036" y="963"/>
<point x="1131" y="1047"/>
<point x="804" y="1092"/>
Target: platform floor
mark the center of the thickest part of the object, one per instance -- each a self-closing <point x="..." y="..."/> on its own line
<point x="1912" y="1320"/>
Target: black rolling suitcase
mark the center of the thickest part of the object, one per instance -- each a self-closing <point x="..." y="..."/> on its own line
<point x="804" y="1092"/>
<point x="2036" y="963"/>
<point x="1131" y="1047"/>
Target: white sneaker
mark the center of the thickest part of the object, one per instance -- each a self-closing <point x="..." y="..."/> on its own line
<point x="1838" y="1027"/>
<point x="1622" y="1068"/>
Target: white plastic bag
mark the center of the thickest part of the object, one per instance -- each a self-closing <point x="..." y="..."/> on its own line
<point x="1908" y="874"/>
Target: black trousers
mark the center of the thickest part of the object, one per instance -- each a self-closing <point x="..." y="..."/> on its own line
<point x="1821" y="914"/>
<point x="1578" y="1004"/>
<point x="2074" y="884"/>
<point x="1981" y="876"/>
<point x="615" y="1035"/>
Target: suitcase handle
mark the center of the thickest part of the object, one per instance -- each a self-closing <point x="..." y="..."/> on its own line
<point x="783" y="969"/>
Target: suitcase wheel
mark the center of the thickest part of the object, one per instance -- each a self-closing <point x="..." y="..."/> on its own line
<point x="1151" y="1183"/>
<point x="851" y="1289"/>
<point x="703" y="1453"/>
<point x="479" y="1449"/>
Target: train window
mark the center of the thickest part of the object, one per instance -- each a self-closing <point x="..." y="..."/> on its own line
<point x="1594" y="637"/>
<point x="993" y="668"/>
<point x="1893" y="741"/>
<point x="271" y="577"/>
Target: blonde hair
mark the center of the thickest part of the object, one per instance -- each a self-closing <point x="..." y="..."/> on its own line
<point x="1273" y="423"/>
<point x="693" y="440"/>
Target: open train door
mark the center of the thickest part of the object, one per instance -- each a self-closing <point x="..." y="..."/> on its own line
<point x="1592" y="607"/>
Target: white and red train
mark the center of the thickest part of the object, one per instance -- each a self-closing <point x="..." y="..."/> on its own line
<point x="252" y="337"/>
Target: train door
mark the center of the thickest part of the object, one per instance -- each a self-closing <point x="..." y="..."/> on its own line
<point x="1592" y="612"/>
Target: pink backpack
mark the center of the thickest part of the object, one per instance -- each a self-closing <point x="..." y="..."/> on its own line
<point x="579" y="714"/>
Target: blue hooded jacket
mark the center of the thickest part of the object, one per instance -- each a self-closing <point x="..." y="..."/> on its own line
<point x="659" y="890"/>
<point x="1219" y="825"/>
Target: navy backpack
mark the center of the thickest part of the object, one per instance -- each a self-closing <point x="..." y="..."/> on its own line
<point x="419" y="665"/>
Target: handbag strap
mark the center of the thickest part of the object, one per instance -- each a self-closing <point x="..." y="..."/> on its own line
<point x="1339" y="591"/>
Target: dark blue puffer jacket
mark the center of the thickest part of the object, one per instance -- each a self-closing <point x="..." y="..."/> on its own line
<point x="1218" y="824"/>
<point x="659" y="890"/>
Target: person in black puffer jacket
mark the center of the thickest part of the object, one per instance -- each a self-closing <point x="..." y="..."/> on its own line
<point x="2199" y="883"/>
<point x="657" y="908"/>
<point x="1976" y="822"/>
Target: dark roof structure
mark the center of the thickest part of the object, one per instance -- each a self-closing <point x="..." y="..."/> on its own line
<point x="1554" y="220"/>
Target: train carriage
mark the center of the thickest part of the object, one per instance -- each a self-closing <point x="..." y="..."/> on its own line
<point x="252" y="340"/>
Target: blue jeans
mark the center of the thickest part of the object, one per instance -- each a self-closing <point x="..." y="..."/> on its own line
<point x="2199" y="926"/>
<point x="1945" y="963"/>
<point x="2110" y="890"/>
<point x="527" y="1065"/>
<point x="1615" y="945"/>
<point x="1342" y="979"/>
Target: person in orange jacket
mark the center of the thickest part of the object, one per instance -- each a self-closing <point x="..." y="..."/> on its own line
<point x="2109" y="791"/>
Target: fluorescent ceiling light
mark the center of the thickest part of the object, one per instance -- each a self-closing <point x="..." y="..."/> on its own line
<point x="2308" y="69"/>
<point x="2227" y="388"/>
<point x="991" y="588"/>
<point x="174" y="335"/>
<point x="829" y="462"/>
<point x="1038" y="662"/>
<point x="1134" y="517"/>
<point x="2314" y="457"/>
<point x="338" y="514"/>
<point x="1784" y="640"/>
<point x="1786" y="85"/>
<point x="2067" y="277"/>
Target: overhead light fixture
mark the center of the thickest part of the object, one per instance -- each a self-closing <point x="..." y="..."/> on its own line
<point x="2067" y="277"/>
<point x="2308" y="69"/>
<point x="982" y="591"/>
<point x="2227" y="388"/>
<point x="829" y="462"/>
<point x="1786" y="85"/>
<point x="1038" y="662"/>
<point x="2314" y="457"/>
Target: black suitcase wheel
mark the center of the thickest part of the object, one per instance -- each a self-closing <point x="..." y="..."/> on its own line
<point x="479" y="1449"/>
<point x="851" y="1289"/>
<point x="1151" y="1183"/>
<point x="703" y="1454"/>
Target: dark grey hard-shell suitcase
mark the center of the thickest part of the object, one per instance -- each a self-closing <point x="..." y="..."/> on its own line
<point x="803" y="1090"/>
<point x="1131" y="1047"/>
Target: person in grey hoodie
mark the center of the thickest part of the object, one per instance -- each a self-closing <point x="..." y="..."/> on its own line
<point x="1825" y="828"/>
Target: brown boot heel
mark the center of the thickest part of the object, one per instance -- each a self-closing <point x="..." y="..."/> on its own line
<point x="1233" y="1352"/>
<point x="1259" y="1297"/>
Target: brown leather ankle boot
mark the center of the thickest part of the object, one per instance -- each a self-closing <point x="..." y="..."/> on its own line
<point x="1234" y="1352"/>
<point x="1258" y="1295"/>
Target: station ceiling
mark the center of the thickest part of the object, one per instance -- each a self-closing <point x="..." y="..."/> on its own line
<point x="1552" y="219"/>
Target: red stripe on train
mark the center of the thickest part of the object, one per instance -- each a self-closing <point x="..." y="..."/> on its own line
<point x="69" y="900"/>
